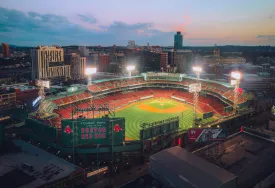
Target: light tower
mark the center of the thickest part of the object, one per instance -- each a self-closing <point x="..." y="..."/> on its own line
<point x="195" y="89"/>
<point x="42" y="84"/>
<point x="236" y="81"/>
<point x="130" y="68"/>
<point x="89" y="72"/>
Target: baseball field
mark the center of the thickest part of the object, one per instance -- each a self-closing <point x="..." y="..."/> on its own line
<point x="152" y="110"/>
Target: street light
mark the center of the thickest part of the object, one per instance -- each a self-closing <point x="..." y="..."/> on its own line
<point x="130" y="68"/>
<point x="89" y="72"/>
<point x="236" y="81"/>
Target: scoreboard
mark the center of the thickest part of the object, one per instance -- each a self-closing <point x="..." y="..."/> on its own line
<point x="93" y="131"/>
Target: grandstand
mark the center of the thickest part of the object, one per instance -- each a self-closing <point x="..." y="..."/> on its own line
<point x="120" y="92"/>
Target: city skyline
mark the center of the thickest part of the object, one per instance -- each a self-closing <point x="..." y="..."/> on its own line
<point x="248" y="22"/>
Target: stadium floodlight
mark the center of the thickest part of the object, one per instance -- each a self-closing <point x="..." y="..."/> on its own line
<point x="195" y="89"/>
<point x="236" y="76"/>
<point x="197" y="69"/>
<point x="130" y="68"/>
<point x="89" y="72"/>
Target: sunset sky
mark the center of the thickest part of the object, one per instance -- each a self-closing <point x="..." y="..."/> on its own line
<point x="108" y="22"/>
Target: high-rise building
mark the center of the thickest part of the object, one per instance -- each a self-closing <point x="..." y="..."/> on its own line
<point x="178" y="40"/>
<point x="78" y="65"/>
<point x="48" y="63"/>
<point x="183" y="60"/>
<point x="163" y="61"/>
<point x="104" y="61"/>
<point x="5" y="50"/>
<point x="131" y="44"/>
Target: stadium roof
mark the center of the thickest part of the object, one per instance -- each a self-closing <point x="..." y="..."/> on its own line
<point x="33" y="167"/>
<point x="112" y="79"/>
<point x="191" y="168"/>
<point x="179" y="75"/>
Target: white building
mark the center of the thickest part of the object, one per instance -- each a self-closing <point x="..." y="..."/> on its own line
<point x="131" y="44"/>
<point x="48" y="63"/>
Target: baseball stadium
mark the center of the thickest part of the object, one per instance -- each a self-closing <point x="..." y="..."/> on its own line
<point x="142" y="99"/>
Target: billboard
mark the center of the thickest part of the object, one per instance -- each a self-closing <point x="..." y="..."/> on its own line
<point x="93" y="131"/>
<point x="207" y="134"/>
<point x="208" y="115"/>
<point x="159" y="128"/>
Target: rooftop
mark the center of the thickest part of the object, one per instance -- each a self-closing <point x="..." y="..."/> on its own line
<point x="249" y="157"/>
<point x="32" y="167"/>
<point x="192" y="168"/>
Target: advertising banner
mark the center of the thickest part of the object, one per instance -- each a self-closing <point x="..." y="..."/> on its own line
<point x="207" y="134"/>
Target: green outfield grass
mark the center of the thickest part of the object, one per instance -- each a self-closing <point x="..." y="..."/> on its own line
<point x="162" y="105"/>
<point x="134" y="116"/>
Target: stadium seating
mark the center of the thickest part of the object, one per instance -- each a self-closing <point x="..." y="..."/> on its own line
<point x="72" y="99"/>
<point x="120" y="99"/>
<point x="206" y="85"/>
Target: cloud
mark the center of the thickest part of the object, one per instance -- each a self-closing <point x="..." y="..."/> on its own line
<point x="266" y="36"/>
<point x="32" y="28"/>
<point x="89" y="19"/>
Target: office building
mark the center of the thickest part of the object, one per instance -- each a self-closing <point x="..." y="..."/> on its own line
<point x="171" y="56"/>
<point x="119" y="59"/>
<point x="150" y="61"/>
<point x="217" y="59"/>
<point x="5" y="50"/>
<point x="7" y="99"/>
<point x="163" y="61"/>
<point x="178" y="40"/>
<point x="265" y="70"/>
<point x="48" y="63"/>
<point x="77" y="64"/>
<point x="104" y="61"/>
<point x="183" y="60"/>
<point x="131" y="44"/>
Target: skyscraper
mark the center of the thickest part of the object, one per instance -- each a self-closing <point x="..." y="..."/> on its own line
<point x="178" y="40"/>
<point x="5" y="50"/>
<point x="48" y="63"/>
